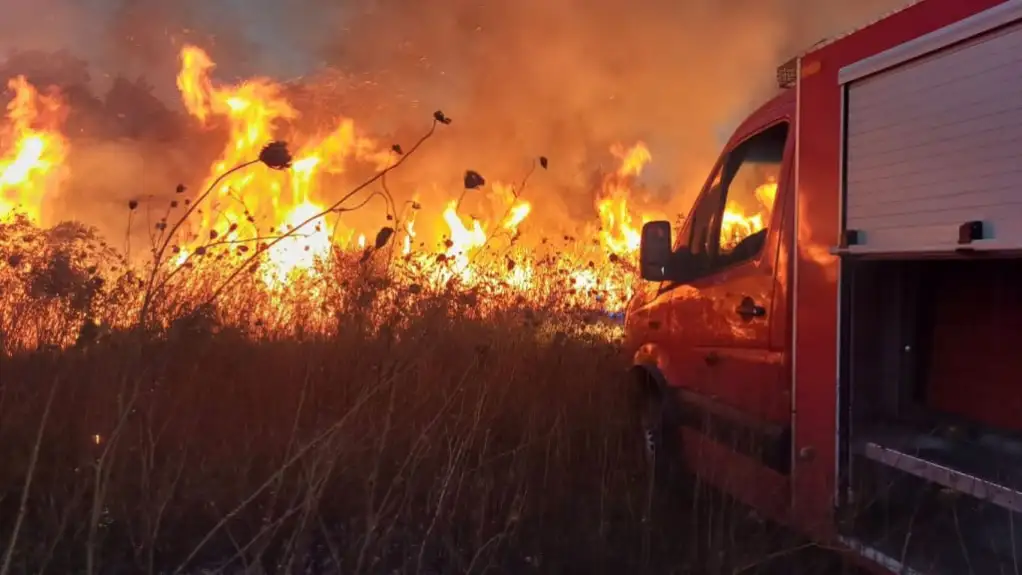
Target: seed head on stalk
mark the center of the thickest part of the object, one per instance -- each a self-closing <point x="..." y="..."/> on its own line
<point x="276" y="156"/>
<point x="439" y="118"/>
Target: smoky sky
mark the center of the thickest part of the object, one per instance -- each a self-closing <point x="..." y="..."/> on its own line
<point x="562" y="78"/>
<point x="570" y="78"/>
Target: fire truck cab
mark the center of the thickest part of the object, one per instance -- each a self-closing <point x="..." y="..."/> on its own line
<point x="833" y="336"/>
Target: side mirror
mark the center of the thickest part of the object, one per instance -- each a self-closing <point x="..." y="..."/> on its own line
<point x="655" y="251"/>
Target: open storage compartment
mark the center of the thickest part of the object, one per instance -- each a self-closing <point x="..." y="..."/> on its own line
<point x="931" y="411"/>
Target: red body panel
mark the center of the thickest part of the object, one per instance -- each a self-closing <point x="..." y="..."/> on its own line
<point x="816" y="329"/>
<point x="782" y="370"/>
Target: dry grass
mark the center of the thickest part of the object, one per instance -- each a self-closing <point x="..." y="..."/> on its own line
<point x="450" y="445"/>
<point x="453" y="446"/>
<point x="384" y="425"/>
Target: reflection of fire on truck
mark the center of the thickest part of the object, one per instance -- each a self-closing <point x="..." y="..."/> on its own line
<point x="847" y="361"/>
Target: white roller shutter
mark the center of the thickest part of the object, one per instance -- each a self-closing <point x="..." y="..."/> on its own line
<point x="936" y="142"/>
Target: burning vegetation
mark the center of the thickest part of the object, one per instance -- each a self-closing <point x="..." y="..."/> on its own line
<point x="313" y="326"/>
<point x="266" y="241"/>
<point x="312" y="384"/>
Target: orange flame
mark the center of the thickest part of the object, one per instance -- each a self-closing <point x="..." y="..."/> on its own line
<point x="258" y="204"/>
<point x="253" y="111"/>
<point x="32" y="151"/>
<point x="619" y="233"/>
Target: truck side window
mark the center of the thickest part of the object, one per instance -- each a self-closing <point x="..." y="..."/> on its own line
<point x="704" y="222"/>
<point x="749" y="186"/>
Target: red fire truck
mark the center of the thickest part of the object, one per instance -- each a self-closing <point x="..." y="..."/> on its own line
<point x="844" y="353"/>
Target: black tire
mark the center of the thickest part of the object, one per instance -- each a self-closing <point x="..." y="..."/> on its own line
<point x="653" y="432"/>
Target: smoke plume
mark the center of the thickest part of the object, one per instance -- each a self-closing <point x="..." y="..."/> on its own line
<point x="565" y="79"/>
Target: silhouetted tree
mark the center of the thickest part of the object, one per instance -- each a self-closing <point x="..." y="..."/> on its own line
<point x="66" y="73"/>
<point x="60" y="68"/>
<point x="137" y="113"/>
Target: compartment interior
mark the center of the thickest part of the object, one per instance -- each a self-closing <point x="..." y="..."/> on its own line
<point x="937" y="338"/>
<point x="931" y="386"/>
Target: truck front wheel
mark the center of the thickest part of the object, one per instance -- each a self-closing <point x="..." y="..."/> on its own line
<point x="654" y="433"/>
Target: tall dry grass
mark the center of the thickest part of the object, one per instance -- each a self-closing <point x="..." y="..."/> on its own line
<point x="451" y="445"/>
<point x="381" y="426"/>
<point x="414" y="438"/>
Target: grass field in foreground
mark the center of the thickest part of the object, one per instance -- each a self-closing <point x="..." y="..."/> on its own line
<point x="451" y="445"/>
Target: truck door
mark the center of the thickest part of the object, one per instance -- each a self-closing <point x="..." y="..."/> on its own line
<point x="740" y="389"/>
<point x="744" y="370"/>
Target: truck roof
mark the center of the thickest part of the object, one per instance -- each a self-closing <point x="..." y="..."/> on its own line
<point x="902" y="25"/>
<point x="828" y="41"/>
<point x="780" y="106"/>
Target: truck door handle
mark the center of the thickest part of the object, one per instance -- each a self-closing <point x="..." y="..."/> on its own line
<point x="712" y="358"/>
<point x="749" y="308"/>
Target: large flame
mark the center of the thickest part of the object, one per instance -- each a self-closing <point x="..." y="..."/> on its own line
<point x="32" y="151"/>
<point x="619" y="233"/>
<point x="254" y="111"/>
<point x="248" y="210"/>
